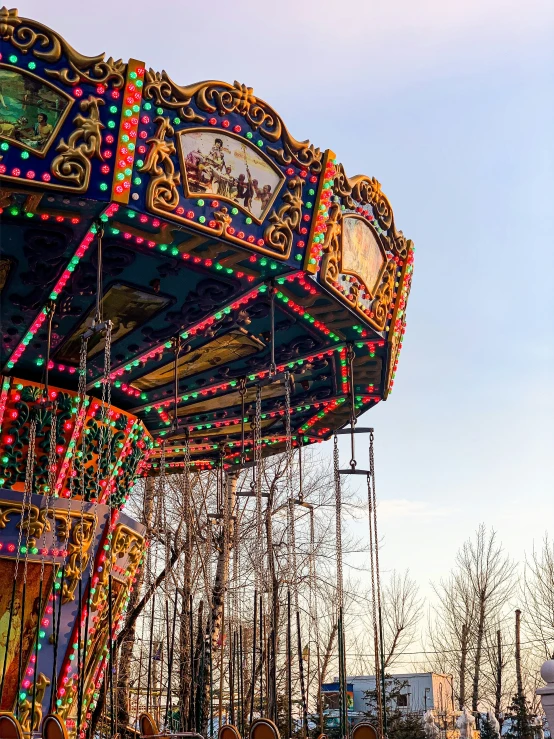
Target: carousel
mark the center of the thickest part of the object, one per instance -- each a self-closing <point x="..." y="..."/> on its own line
<point x="185" y="289"/>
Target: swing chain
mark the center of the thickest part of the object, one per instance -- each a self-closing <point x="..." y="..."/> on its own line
<point x="351" y="355"/>
<point x="258" y="481"/>
<point x="272" y="364"/>
<point x="338" y="522"/>
<point x="242" y="391"/>
<point x="375" y="584"/>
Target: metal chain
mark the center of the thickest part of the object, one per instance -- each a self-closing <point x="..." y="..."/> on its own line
<point x="259" y="553"/>
<point x="236" y="573"/>
<point x="374" y="584"/>
<point x="209" y="573"/>
<point x="338" y="523"/>
<point x="106" y="435"/>
<point x="291" y="558"/>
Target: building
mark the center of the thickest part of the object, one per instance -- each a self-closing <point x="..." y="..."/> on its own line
<point x="420" y="692"/>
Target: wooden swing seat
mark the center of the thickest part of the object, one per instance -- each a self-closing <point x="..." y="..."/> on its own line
<point x="149" y="729"/>
<point x="364" y="730"/>
<point x="228" y="731"/>
<point x="264" y="728"/>
<point x="10" y="728"/>
<point x="53" y="727"/>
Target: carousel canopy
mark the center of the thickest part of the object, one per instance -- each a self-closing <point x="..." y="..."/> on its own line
<point x="231" y="254"/>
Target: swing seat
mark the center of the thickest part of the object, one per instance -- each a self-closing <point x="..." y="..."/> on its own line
<point x="364" y="730"/>
<point x="149" y="730"/>
<point x="53" y="727"/>
<point x="322" y="736"/>
<point x="264" y="728"/>
<point x="10" y="728"/>
<point x="228" y="731"/>
<point x="148" y="725"/>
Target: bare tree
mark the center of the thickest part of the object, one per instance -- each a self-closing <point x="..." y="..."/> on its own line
<point x="538" y="594"/>
<point x="402" y="611"/>
<point x="489" y="572"/>
<point x="451" y="626"/>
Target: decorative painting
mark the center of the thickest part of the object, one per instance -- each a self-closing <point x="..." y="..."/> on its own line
<point x="223" y="350"/>
<point x="19" y="634"/>
<point x="126" y="307"/>
<point x="31" y="110"/>
<point x="362" y="255"/>
<point x="229" y="168"/>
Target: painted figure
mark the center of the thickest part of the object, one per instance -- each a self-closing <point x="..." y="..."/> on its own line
<point x="14" y="635"/>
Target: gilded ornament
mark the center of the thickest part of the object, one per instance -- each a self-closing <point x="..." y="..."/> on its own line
<point x="80" y="540"/>
<point x="367" y="191"/>
<point x="287" y="219"/>
<point x="26" y="707"/>
<point x="384" y="295"/>
<point x="162" y="190"/>
<point x="9" y="21"/>
<point x="222" y="97"/>
<point x="33" y="520"/>
<point x="332" y="244"/>
<point x="73" y="163"/>
<point x="50" y="47"/>
<point x="125" y="541"/>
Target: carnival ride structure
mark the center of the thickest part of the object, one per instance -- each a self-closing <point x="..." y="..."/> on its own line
<point x="184" y="287"/>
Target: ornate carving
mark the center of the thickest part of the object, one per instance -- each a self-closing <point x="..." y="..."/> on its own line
<point x="72" y="164"/>
<point x="212" y="96"/>
<point x="26" y="707"/>
<point x="34" y="520"/>
<point x="367" y="191"/>
<point x="125" y="541"/>
<point x="80" y="535"/>
<point x="34" y="524"/>
<point x="384" y="295"/>
<point x="50" y="47"/>
<point x="331" y="245"/>
<point x="162" y="190"/>
<point x="279" y="234"/>
<point x="5" y="511"/>
<point x="8" y="22"/>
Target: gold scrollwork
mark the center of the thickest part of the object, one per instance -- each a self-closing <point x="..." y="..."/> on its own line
<point x="50" y="47"/>
<point x="73" y="164"/>
<point x="125" y="541"/>
<point x="162" y="190"/>
<point x="286" y="220"/>
<point x="384" y="295"/>
<point x="331" y="268"/>
<point x="80" y="533"/>
<point x="367" y="191"/>
<point x="26" y="707"/>
<point x="33" y="521"/>
<point x="332" y="244"/>
<point x="212" y="96"/>
<point x="34" y="524"/>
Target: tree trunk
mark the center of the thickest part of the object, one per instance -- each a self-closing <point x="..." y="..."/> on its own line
<point x="518" y="655"/>
<point x="126" y="651"/>
<point x="478" y="652"/>
<point x="185" y="636"/>
<point x="498" y="686"/>
<point x="273" y="647"/>
<point x="328" y="651"/>
<point x="463" y="665"/>
<point x="222" y="570"/>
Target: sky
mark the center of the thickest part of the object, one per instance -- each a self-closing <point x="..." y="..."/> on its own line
<point x="450" y="105"/>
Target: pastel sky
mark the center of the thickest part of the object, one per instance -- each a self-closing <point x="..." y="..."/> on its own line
<point x="451" y="106"/>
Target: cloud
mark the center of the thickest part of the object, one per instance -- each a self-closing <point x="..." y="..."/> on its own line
<point x="396" y="508"/>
